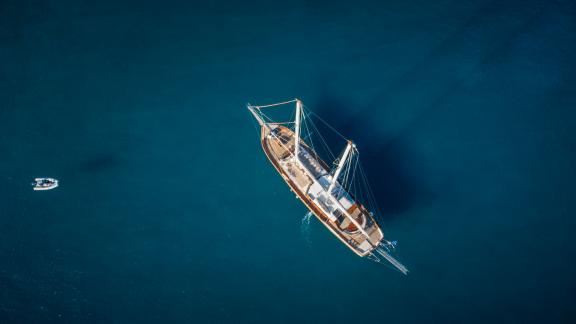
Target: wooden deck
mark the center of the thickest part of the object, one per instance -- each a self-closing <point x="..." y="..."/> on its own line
<point x="279" y="148"/>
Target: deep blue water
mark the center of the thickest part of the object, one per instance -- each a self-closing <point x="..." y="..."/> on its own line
<point x="168" y="211"/>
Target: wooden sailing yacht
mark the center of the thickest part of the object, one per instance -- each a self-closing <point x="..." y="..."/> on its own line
<point x="322" y="189"/>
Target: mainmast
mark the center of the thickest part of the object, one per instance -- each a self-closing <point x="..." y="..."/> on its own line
<point x="297" y="129"/>
<point x="341" y="164"/>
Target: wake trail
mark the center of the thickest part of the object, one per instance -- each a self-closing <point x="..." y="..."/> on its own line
<point x="305" y="227"/>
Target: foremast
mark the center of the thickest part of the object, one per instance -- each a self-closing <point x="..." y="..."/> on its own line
<point x="297" y="122"/>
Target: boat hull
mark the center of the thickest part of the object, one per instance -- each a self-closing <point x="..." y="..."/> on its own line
<point x="37" y="187"/>
<point x="362" y="246"/>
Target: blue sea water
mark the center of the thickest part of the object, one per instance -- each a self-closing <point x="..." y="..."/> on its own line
<point x="168" y="211"/>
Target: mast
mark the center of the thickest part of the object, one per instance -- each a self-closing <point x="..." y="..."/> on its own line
<point x="297" y="129"/>
<point x="341" y="164"/>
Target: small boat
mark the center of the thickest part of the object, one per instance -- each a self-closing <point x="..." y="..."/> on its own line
<point x="44" y="183"/>
<point x="327" y="192"/>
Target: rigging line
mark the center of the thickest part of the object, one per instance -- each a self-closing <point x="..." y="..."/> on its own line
<point x="265" y="116"/>
<point x="344" y="178"/>
<point x="326" y="147"/>
<point x="366" y="189"/>
<point x="309" y="138"/>
<point x="368" y="197"/>
<point x="354" y="192"/>
<point x="348" y="178"/>
<point x="323" y="143"/>
<point x="347" y="173"/>
<point x="293" y="117"/>
<point x="352" y="180"/>
<point x="355" y="178"/>
<point x="337" y="161"/>
<point x="329" y="126"/>
<point x="307" y="121"/>
<point x="376" y="207"/>
<point x="371" y="193"/>
<point x="318" y="133"/>
<point x="361" y="194"/>
<point x="345" y="168"/>
<point x="280" y="123"/>
<point x="271" y="121"/>
<point x="276" y="104"/>
<point x="307" y="129"/>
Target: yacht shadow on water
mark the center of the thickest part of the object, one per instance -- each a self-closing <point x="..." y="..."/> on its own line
<point x="388" y="162"/>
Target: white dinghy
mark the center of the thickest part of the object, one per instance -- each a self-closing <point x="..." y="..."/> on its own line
<point x="44" y="183"/>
